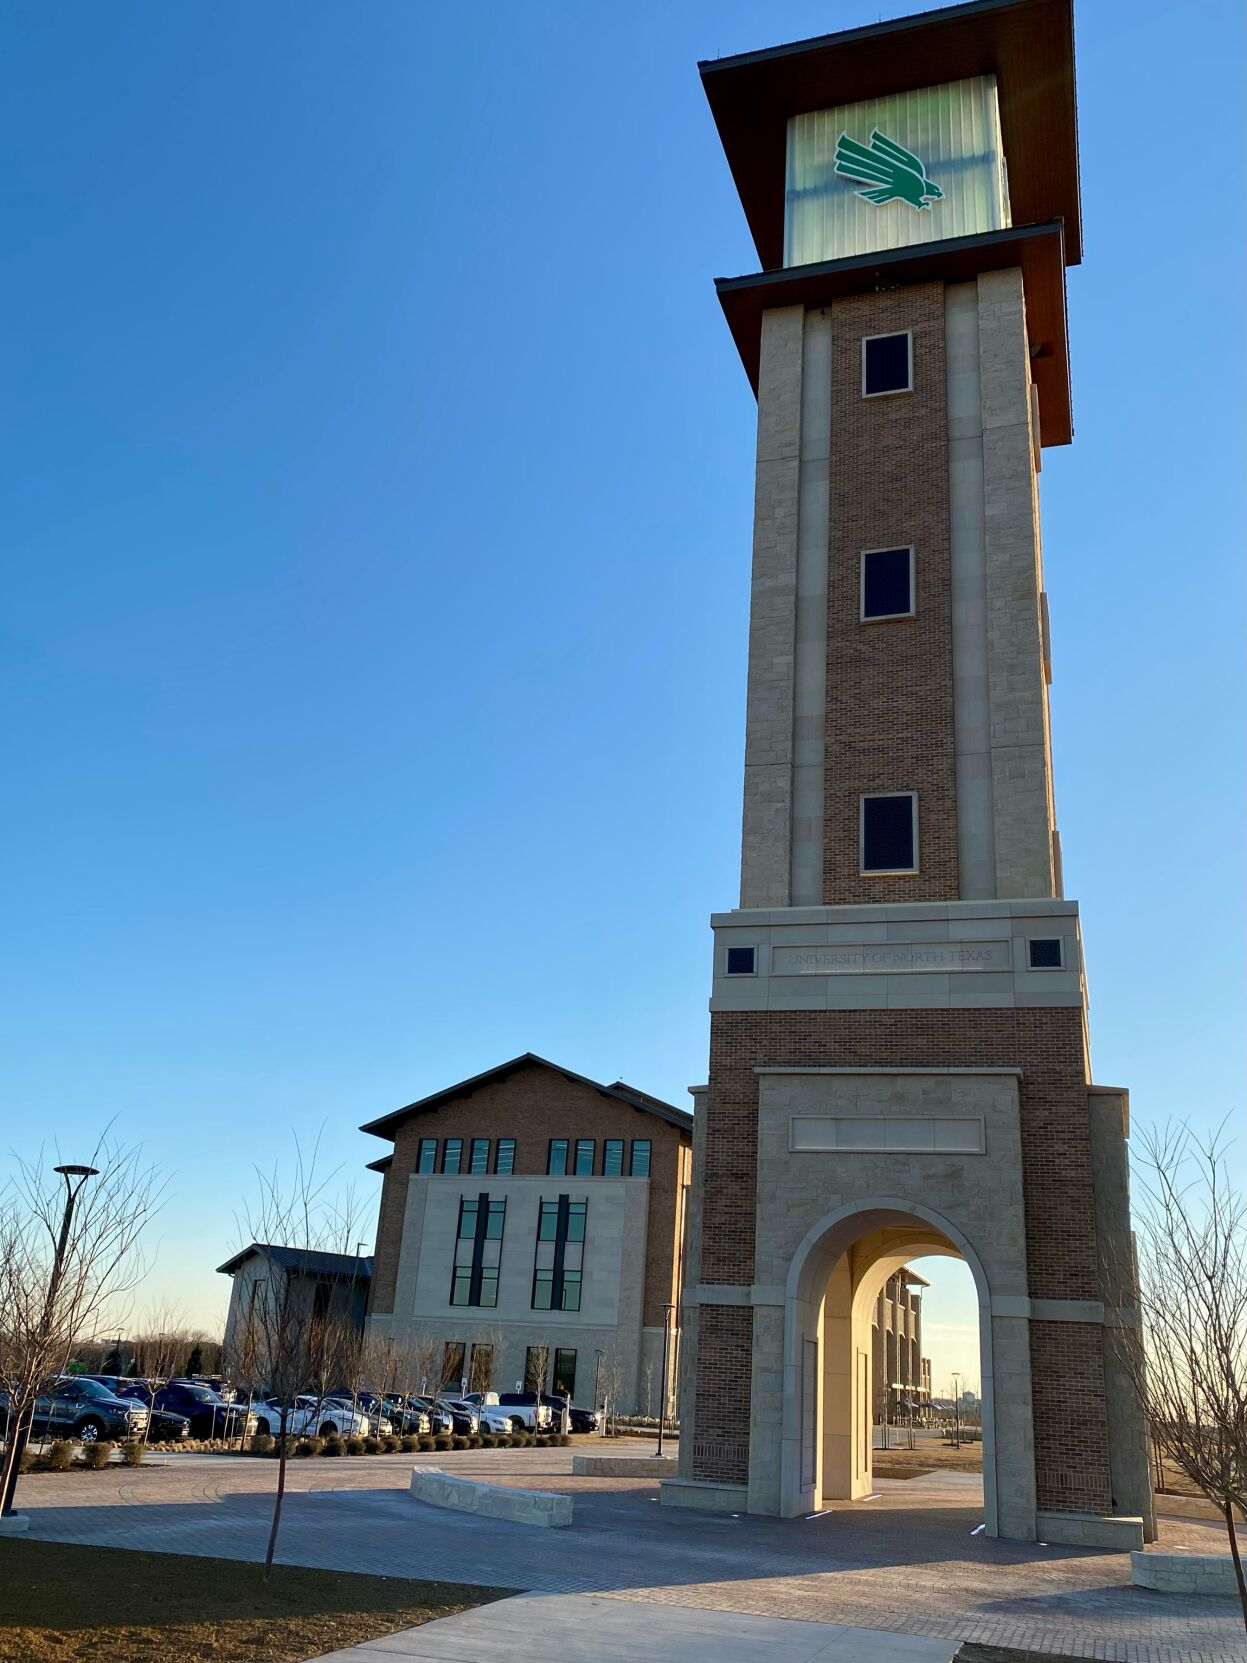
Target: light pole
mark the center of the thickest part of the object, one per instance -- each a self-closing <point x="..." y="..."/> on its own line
<point x="662" y="1384"/>
<point x="21" y="1433"/>
<point x="956" y="1410"/>
<point x="597" y="1391"/>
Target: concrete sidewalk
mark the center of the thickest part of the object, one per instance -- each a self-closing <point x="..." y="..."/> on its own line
<point x="592" y="1628"/>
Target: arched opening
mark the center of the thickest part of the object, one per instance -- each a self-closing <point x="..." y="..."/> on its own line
<point x="834" y="1283"/>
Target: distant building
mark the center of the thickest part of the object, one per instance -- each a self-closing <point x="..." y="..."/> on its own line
<point x="900" y="1373"/>
<point x="532" y="1216"/>
<point x="327" y="1285"/>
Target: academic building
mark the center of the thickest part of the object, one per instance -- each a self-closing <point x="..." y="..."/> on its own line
<point x="899" y="1058"/>
<point x="532" y="1221"/>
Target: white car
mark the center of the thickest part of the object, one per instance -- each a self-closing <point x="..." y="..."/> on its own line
<point x="310" y="1416"/>
<point x="495" y="1419"/>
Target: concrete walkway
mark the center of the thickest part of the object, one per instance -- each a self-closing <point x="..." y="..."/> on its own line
<point x="905" y="1563"/>
<point x="584" y="1628"/>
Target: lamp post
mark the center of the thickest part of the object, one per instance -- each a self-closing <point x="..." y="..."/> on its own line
<point x="662" y="1384"/>
<point x="956" y="1410"/>
<point x="21" y="1433"/>
<point x="597" y="1391"/>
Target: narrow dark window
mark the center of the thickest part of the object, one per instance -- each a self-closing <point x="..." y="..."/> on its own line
<point x="452" y="1155"/>
<point x="886" y="366"/>
<point x="640" y="1157"/>
<point x="740" y="961"/>
<point x="536" y="1368"/>
<point x="426" y="1155"/>
<point x="612" y="1158"/>
<point x="1046" y="954"/>
<point x="887" y="584"/>
<point x="478" y="1251"/>
<point x="564" y="1378"/>
<point x="504" y="1156"/>
<point x="890" y="833"/>
<point x="556" y="1160"/>
<point x="478" y="1155"/>
<point x="481" y="1368"/>
<point x="452" y="1363"/>
<point x="559" y="1257"/>
<point x="584" y="1157"/>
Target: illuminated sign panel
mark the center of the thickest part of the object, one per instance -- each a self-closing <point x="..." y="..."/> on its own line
<point x="914" y="167"/>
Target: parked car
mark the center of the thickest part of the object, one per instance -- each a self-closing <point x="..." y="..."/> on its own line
<point x="465" y="1420"/>
<point x="440" y="1420"/>
<point x="528" y="1408"/>
<point x="584" y="1420"/>
<point x="310" y="1416"/>
<point x="378" y="1423"/>
<point x="83" y="1409"/>
<point x="407" y="1415"/>
<point x="208" y="1415"/>
<point x="494" y="1418"/>
<point x="560" y="1412"/>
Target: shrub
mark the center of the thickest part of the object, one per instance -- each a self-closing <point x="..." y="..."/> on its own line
<point x="441" y="1441"/>
<point x="60" y="1457"/>
<point x="372" y="1446"/>
<point x="458" y="1441"/>
<point x="354" y="1446"/>
<point x="309" y="1446"/>
<point x="487" y="1440"/>
<point x="332" y="1446"/>
<point x="425" y="1443"/>
<point x="97" y="1455"/>
<point x="409" y="1442"/>
<point x="263" y="1443"/>
<point x="390" y="1443"/>
<point x="562" y="1440"/>
<point x="518" y="1440"/>
<point x="132" y="1454"/>
<point x="29" y="1462"/>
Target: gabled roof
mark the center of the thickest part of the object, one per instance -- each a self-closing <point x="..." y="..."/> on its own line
<point x="304" y="1261"/>
<point x="388" y="1124"/>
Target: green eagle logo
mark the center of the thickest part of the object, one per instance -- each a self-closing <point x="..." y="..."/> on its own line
<point x="893" y="173"/>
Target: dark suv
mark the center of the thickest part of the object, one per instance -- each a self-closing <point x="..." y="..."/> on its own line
<point x="208" y="1415"/>
<point x="84" y="1410"/>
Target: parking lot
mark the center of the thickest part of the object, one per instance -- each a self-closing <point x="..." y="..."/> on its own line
<point x="906" y="1561"/>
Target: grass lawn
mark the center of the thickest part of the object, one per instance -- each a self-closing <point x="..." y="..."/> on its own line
<point x="62" y="1604"/>
<point x="931" y="1455"/>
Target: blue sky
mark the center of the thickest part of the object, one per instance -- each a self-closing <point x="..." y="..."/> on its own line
<point x="378" y="477"/>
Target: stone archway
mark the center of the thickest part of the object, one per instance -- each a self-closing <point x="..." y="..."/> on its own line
<point x="833" y="1282"/>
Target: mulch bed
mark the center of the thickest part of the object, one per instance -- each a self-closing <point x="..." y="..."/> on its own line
<point x="63" y="1604"/>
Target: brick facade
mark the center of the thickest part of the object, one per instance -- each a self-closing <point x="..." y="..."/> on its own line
<point x="533" y="1105"/>
<point x="889" y="684"/>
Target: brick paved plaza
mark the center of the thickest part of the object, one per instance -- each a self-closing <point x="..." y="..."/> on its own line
<point x="906" y="1562"/>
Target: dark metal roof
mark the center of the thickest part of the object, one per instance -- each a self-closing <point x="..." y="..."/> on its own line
<point x="304" y="1261"/>
<point x="1027" y="44"/>
<point x="388" y="1124"/>
<point x="1037" y="249"/>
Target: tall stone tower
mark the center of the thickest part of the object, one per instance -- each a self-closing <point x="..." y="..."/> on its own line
<point x="898" y="1052"/>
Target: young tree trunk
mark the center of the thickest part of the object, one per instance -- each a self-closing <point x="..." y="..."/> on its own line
<point x="281" y="1491"/>
<point x="1232" y="1532"/>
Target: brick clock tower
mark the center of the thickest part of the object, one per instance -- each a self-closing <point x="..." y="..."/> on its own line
<point x="898" y="1049"/>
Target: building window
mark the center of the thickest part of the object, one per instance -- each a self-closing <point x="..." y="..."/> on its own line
<point x="536" y="1368"/>
<point x="887" y="584"/>
<point x="556" y="1160"/>
<point x="887" y="364"/>
<point x="564" y="1377"/>
<point x="584" y="1157"/>
<point x="889" y="832"/>
<point x="453" y="1354"/>
<point x="481" y="1368"/>
<point x="641" y="1148"/>
<point x="741" y="961"/>
<point x="504" y="1156"/>
<point x="426" y="1155"/>
<point x="478" y="1155"/>
<point x="452" y="1155"/>
<point x="478" y="1251"/>
<point x="612" y="1157"/>
<point x="1047" y="953"/>
<point x="559" y="1257"/>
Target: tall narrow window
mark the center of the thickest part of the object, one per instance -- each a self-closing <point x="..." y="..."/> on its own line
<point x="887" y="584"/>
<point x="556" y="1160"/>
<point x="537" y="1368"/>
<point x="887" y="364"/>
<point x="452" y="1363"/>
<point x="584" y="1157"/>
<point x="563" y="1379"/>
<point x="478" y="1251"/>
<point x="889" y="832"/>
<point x="640" y="1157"/>
<point x="559" y="1257"/>
<point x="504" y="1156"/>
<point x="452" y="1155"/>
<point x="478" y="1155"/>
<point x="481" y="1368"/>
<point x="612" y="1158"/>
<point x="426" y="1155"/>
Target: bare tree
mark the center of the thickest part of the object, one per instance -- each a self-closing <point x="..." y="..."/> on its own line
<point x="68" y="1256"/>
<point x="1184" y="1345"/>
<point x="287" y="1329"/>
<point x="159" y="1346"/>
<point x="486" y="1360"/>
<point x="611" y="1378"/>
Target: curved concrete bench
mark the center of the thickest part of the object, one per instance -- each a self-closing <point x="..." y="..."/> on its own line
<point x="1184" y="1573"/>
<point x="493" y="1501"/>
<point x="623" y="1466"/>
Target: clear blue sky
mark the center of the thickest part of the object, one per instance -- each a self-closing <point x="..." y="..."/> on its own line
<point x="378" y="477"/>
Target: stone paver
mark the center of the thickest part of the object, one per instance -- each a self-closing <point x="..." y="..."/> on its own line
<point x="906" y="1562"/>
